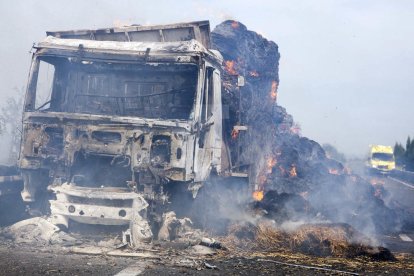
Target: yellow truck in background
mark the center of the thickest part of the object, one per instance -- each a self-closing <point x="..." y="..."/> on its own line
<point x="381" y="159"/>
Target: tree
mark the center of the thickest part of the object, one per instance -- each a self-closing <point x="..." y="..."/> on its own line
<point x="399" y="150"/>
<point x="399" y="153"/>
<point x="11" y="126"/>
<point x="408" y="143"/>
<point x="409" y="155"/>
<point x="405" y="156"/>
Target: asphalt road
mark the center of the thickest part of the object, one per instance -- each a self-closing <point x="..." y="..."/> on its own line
<point x="398" y="195"/>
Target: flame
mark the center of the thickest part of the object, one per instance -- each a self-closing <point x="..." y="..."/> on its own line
<point x="334" y="171"/>
<point x="296" y="129"/>
<point x="234" y="134"/>
<point x="235" y="24"/>
<point x="378" y="193"/>
<point x="229" y="67"/>
<point x="376" y="181"/>
<point x="271" y="162"/>
<point x="253" y="73"/>
<point x="258" y="195"/>
<point x="265" y="172"/>
<point x="273" y="91"/>
<point x="292" y="172"/>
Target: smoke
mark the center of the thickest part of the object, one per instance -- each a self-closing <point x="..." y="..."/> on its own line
<point x="301" y="184"/>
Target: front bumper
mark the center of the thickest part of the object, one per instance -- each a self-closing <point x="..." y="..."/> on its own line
<point x="107" y="206"/>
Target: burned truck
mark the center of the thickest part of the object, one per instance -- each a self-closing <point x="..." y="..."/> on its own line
<point x="116" y="119"/>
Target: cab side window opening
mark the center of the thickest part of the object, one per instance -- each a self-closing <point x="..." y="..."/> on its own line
<point x="44" y="86"/>
<point x="208" y="96"/>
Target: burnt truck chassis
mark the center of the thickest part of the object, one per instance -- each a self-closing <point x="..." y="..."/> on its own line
<point x="119" y="169"/>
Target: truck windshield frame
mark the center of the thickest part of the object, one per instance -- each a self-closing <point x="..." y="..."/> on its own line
<point x="140" y="89"/>
<point x="382" y="156"/>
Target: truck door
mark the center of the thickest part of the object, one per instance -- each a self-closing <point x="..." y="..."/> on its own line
<point x="204" y="143"/>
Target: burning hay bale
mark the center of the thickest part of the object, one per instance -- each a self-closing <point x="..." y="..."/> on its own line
<point x="314" y="239"/>
<point x="241" y="235"/>
<point x="337" y="240"/>
<point x="279" y="158"/>
<point x="323" y="239"/>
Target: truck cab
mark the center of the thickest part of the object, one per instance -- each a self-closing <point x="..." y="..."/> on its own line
<point x="114" y="118"/>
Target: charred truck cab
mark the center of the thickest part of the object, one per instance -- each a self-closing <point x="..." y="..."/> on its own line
<point x="112" y="117"/>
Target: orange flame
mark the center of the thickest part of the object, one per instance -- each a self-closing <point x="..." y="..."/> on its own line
<point x="273" y="91"/>
<point x="376" y="181"/>
<point x="234" y="134"/>
<point x="235" y="24"/>
<point x="258" y="195"/>
<point x="295" y="129"/>
<point x="262" y="177"/>
<point x="334" y="171"/>
<point x="229" y="67"/>
<point x="253" y="73"/>
<point x="292" y="172"/>
<point x="378" y="193"/>
<point x="271" y="162"/>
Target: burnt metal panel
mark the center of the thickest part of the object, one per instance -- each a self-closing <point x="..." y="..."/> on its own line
<point x="199" y="30"/>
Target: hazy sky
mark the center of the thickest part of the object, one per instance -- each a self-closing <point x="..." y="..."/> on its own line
<point x="346" y="67"/>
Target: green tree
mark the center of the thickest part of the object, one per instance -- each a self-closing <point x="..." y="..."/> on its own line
<point x="399" y="150"/>
<point x="11" y="125"/>
<point x="409" y="155"/>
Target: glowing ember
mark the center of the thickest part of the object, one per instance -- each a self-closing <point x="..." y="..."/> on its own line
<point x="292" y="172"/>
<point x="253" y="74"/>
<point x="229" y="67"/>
<point x="235" y="24"/>
<point x="378" y="193"/>
<point x="258" y="195"/>
<point x="334" y="171"/>
<point x="296" y="129"/>
<point x="271" y="162"/>
<point x="377" y="181"/>
<point x="266" y="171"/>
<point x="234" y="134"/>
<point x="273" y="91"/>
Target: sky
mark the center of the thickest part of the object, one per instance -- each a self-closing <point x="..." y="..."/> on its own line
<point x="346" y="67"/>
